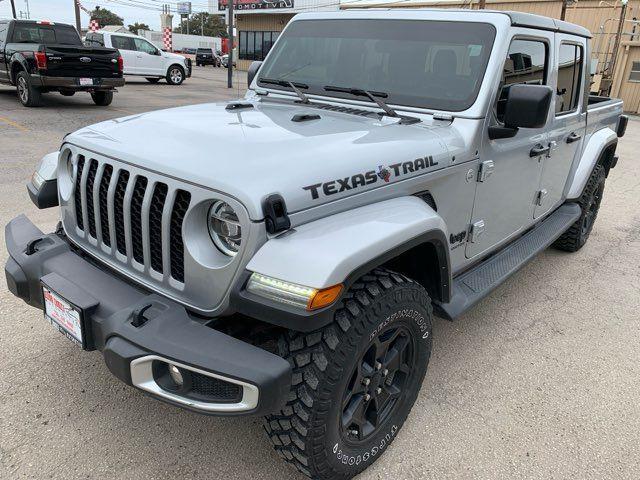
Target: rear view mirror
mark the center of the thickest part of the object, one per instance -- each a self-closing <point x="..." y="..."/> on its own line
<point x="253" y="70"/>
<point x="527" y="107"/>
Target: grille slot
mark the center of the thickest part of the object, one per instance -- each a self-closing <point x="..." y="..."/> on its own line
<point x="214" y="389"/>
<point x="136" y="218"/>
<point x="148" y="229"/>
<point x="180" y="207"/>
<point x="91" y="176"/>
<point x="78" y="193"/>
<point x="104" y="209"/>
<point x="155" y="225"/>
<point x="118" y="210"/>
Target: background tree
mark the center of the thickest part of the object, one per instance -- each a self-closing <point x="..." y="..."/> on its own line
<point x="106" y="17"/>
<point x="213" y="25"/>
<point x="138" y="26"/>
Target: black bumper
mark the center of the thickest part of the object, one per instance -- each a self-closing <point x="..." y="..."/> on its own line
<point x="110" y="304"/>
<point x="71" y="83"/>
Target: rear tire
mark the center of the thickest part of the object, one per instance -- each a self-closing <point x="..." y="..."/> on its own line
<point x="102" y="99"/>
<point x="175" y="75"/>
<point x="153" y="80"/>
<point x="355" y="380"/>
<point x="574" y="239"/>
<point x="28" y="95"/>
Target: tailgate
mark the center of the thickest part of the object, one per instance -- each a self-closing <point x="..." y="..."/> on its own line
<point x="78" y="61"/>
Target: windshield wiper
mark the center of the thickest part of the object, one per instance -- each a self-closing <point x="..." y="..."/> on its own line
<point x="371" y="95"/>
<point x="286" y="83"/>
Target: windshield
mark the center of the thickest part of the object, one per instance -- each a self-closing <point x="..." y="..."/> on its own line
<point x="428" y="64"/>
<point x="45" y="34"/>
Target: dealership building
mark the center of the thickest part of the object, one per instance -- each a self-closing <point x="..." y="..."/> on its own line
<point x="259" y="22"/>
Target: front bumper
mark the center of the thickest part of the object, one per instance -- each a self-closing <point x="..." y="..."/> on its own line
<point x="113" y="307"/>
<point x="71" y="83"/>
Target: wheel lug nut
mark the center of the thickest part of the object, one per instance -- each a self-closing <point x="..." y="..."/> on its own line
<point x="353" y="432"/>
<point x="366" y="381"/>
<point x="379" y="390"/>
<point x="367" y="397"/>
<point x="378" y="365"/>
<point x="385" y="372"/>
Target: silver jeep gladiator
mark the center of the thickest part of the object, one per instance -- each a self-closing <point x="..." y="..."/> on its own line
<point x="384" y="167"/>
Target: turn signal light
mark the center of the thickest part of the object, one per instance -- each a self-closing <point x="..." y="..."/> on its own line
<point x="41" y="60"/>
<point x="324" y="297"/>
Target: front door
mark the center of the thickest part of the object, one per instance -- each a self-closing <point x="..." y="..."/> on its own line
<point x="148" y="58"/>
<point x="510" y="169"/>
<point x="568" y="125"/>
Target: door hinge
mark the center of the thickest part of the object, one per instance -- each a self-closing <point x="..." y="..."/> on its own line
<point x="485" y="170"/>
<point x="542" y="194"/>
<point x="476" y="231"/>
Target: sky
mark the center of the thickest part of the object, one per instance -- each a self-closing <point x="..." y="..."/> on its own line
<point x="143" y="11"/>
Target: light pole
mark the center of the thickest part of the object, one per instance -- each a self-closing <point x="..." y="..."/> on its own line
<point x="77" y="9"/>
<point x="230" y="61"/>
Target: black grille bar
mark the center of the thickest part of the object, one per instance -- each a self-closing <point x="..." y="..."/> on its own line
<point x="91" y="176"/>
<point x="136" y="218"/>
<point x="118" y="210"/>
<point x="155" y="225"/>
<point x="104" y="209"/>
<point x="176" y="244"/>
<point x="78" y="193"/>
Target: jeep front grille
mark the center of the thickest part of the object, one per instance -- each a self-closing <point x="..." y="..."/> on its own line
<point x="150" y="227"/>
<point x="93" y="200"/>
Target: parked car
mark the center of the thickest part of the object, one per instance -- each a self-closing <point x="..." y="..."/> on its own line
<point x="295" y="273"/>
<point x="225" y="60"/>
<point x="142" y="58"/>
<point x="205" y="56"/>
<point x="39" y="57"/>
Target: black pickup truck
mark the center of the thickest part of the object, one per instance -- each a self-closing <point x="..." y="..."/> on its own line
<point x="39" y="57"/>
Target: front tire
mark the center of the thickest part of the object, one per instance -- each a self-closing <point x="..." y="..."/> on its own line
<point x="28" y="95"/>
<point x="102" y="99"/>
<point x="175" y="75"/>
<point x="355" y="380"/>
<point x="577" y="235"/>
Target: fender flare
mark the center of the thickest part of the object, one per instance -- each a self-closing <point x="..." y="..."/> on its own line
<point x="340" y="249"/>
<point x="598" y="143"/>
<point x="17" y="58"/>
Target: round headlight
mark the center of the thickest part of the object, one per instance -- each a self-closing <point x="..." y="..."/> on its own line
<point x="224" y="228"/>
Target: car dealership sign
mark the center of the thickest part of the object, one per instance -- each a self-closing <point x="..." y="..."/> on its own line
<point x="256" y="4"/>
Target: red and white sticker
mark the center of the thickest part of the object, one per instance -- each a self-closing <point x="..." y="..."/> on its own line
<point x="62" y="315"/>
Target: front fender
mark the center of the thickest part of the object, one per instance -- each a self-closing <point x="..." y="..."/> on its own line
<point x="597" y="144"/>
<point x="328" y="251"/>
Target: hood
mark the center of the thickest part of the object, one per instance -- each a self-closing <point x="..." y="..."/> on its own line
<point x="254" y="152"/>
<point x="175" y="56"/>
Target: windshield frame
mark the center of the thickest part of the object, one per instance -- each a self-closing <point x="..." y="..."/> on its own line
<point x="345" y="97"/>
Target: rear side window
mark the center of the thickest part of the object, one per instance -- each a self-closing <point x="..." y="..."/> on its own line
<point x="46" y="34"/>
<point x="122" y="43"/>
<point x="94" y="40"/>
<point x="569" y="74"/>
<point x="527" y="63"/>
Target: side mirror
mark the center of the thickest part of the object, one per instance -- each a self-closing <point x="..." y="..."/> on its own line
<point x="253" y="70"/>
<point x="527" y="107"/>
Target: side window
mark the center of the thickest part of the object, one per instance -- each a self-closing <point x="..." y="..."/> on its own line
<point x="3" y="32"/>
<point x="569" y="74"/>
<point x="144" y="46"/>
<point x="122" y="43"/>
<point x="94" y="40"/>
<point x="526" y="62"/>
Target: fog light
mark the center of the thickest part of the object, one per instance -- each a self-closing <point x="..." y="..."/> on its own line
<point x="176" y="375"/>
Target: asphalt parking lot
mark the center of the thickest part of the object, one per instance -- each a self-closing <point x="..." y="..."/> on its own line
<point x="539" y="381"/>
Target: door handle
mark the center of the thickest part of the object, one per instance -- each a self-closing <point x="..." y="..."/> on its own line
<point x="539" y="149"/>
<point x="573" y="137"/>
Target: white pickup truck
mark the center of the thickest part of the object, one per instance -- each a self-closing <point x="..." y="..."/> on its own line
<point x="383" y="166"/>
<point x="142" y="58"/>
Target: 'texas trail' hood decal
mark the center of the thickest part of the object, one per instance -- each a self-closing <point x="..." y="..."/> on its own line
<point x="370" y="177"/>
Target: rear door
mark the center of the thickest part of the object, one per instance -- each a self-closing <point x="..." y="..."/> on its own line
<point x="510" y="176"/>
<point x="148" y="58"/>
<point x="569" y="122"/>
<point x="127" y="49"/>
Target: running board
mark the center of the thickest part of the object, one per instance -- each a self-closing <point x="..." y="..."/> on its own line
<point x="475" y="284"/>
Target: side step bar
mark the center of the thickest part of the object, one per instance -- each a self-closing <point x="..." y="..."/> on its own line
<point x="475" y="284"/>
